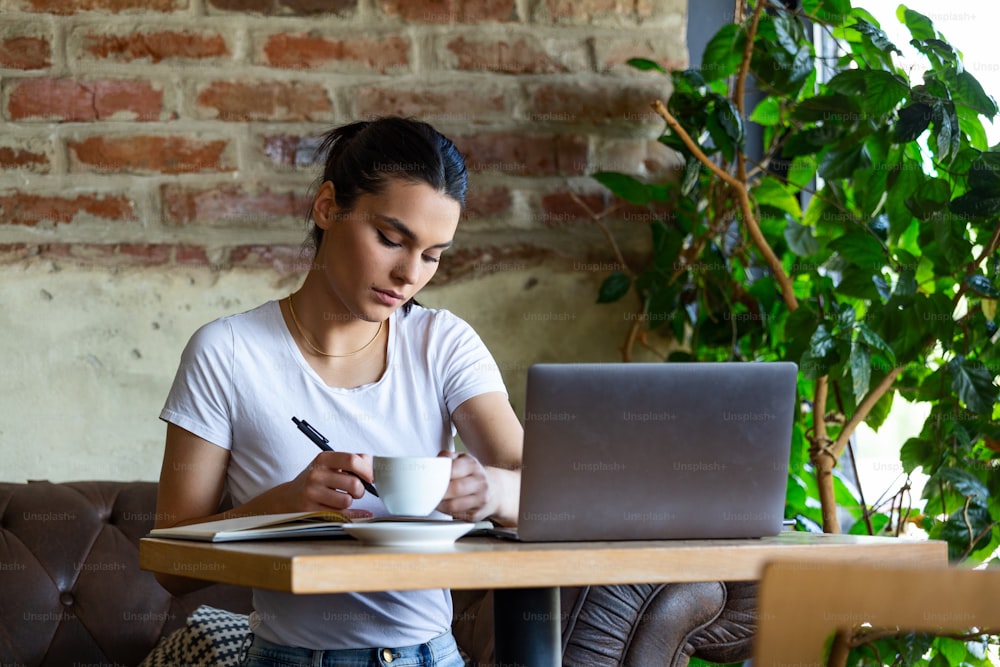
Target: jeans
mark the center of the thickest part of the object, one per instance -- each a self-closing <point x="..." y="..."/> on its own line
<point x="438" y="652"/>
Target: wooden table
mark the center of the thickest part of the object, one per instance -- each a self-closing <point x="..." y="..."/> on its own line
<point x="526" y="577"/>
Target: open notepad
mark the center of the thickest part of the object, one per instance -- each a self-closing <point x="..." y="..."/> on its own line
<point x="280" y="526"/>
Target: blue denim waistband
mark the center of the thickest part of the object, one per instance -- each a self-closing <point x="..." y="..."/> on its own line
<point x="442" y="650"/>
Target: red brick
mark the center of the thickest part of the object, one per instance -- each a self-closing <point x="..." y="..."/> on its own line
<point x="109" y="254"/>
<point x="233" y="205"/>
<point x="483" y="203"/>
<point x="451" y="11"/>
<point x="307" y="51"/>
<point x="155" y="46"/>
<point x="589" y="10"/>
<point x="70" y="100"/>
<point x="27" y="159"/>
<point x="510" y="56"/>
<point x="289" y="152"/>
<point x="149" y="154"/>
<point x="113" y="6"/>
<point x="282" y="259"/>
<point x="149" y="254"/>
<point x="596" y="102"/>
<point x="458" y="105"/>
<point x="191" y="255"/>
<point x="476" y="261"/>
<point x="25" y="53"/>
<point x="15" y="251"/>
<point x="523" y="154"/>
<point x="286" y="7"/>
<point x="243" y="101"/>
<point x="613" y="54"/>
<point x="21" y="208"/>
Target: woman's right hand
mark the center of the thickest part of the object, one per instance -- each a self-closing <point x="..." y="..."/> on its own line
<point x="326" y="483"/>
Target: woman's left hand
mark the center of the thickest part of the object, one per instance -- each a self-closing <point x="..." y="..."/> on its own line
<point x="470" y="495"/>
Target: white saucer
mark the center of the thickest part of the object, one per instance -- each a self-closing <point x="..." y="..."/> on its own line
<point x="409" y="533"/>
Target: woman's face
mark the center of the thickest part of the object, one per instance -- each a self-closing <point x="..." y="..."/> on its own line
<point x="380" y="254"/>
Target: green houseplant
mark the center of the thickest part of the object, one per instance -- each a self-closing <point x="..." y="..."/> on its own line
<point x="860" y="241"/>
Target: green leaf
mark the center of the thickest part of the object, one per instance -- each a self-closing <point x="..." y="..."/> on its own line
<point x="822" y="342"/>
<point x="984" y="174"/>
<point x="692" y="173"/>
<point x="837" y="108"/>
<point x="982" y="286"/>
<point x="932" y="196"/>
<point x="976" y="205"/>
<point x="800" y="239"/>
<point x="688" y="81"/>
<point x="767" y="112"/>
<point x="969" y="91"/>
<point x="723" y="53"/>
<point x="627" y="187"/>
<point x="952" y="649"/>
<point x="878" y="91"/>
<point x="962" y="527"/>
<point x="860" y="249"/>
<point x="879" y="39"/>
<point x="614" y="287"/>
<point x="913" y="121"/>
<point x="849" y="82"/>
<point x="834" y="11"/>
<point x="861" y="370"/>
<point x="725" y="126"/>
<point x="973" y="384"/>
<point x="917" y="453"/>
<point x="803" y="171"/>
<point x="884" y="91"/>
<point x="644" y="64"/>
<point x="919" y="25"/>
<point x="773" y="193"/>
<point x="971" y="124"/>
<point x="842" y="163"/>
<point x="875" y="342"/>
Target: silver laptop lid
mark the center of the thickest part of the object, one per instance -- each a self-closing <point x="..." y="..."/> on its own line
<point x="656" y="450"/>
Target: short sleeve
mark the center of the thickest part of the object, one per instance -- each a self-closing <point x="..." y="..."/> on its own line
<point x="200" y="397"/>
<point x="464" y="364"/>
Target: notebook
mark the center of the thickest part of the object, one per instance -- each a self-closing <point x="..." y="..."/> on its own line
<point x="622" y="451"/>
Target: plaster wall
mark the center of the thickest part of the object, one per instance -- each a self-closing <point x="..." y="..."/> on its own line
<point x="89" y="352"/>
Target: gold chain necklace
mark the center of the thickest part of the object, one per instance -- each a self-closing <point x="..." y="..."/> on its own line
<point x="315" y="349"/>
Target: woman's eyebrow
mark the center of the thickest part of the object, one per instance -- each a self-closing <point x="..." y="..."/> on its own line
<point x="401" y="227"/>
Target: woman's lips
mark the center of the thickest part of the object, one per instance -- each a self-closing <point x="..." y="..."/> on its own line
<point x="388" y="297"/>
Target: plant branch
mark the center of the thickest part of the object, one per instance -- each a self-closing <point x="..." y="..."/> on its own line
<point x="864" y="408"/>
<point x="746" y="207"/>
<point x="607" y="232"/>
<point x="741" y="77"/>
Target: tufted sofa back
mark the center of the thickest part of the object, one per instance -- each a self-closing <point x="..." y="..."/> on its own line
<point x="71" y="591"/>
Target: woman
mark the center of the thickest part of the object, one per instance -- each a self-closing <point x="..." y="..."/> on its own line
<point x="354" y="355"/>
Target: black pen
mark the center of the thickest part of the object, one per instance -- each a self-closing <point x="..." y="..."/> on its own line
<point x="323" y="443"/>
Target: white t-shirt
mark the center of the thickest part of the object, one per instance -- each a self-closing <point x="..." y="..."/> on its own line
<point x="241" y="380"/>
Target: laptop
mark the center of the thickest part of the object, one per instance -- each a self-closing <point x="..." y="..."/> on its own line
<point x="638" y="451"/>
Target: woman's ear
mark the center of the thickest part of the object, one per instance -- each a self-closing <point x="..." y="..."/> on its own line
<point x="324" y="208"/>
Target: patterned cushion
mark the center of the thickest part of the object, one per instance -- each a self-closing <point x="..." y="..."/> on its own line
<point x="211" y="638"/>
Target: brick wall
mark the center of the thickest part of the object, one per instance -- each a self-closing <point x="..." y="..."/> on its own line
<point x="181" y="132"/>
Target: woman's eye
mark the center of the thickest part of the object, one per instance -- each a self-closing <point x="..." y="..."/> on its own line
<point x="384" y="240"/>
<point x="432" y="260"/>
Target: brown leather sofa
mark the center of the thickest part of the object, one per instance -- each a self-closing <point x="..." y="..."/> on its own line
<point x="71" y="592"/>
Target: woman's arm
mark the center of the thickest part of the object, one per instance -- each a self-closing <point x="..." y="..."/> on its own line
<point x="193" y="476"/>
<point x="487" y="483"/>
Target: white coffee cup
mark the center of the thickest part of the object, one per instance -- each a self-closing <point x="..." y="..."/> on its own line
<point x="411" y="485"/>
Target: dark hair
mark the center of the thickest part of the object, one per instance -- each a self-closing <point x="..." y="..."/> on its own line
<point x="361" y="157"/>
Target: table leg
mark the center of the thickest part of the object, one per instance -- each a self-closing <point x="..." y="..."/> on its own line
<point x="527" y="627"/>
